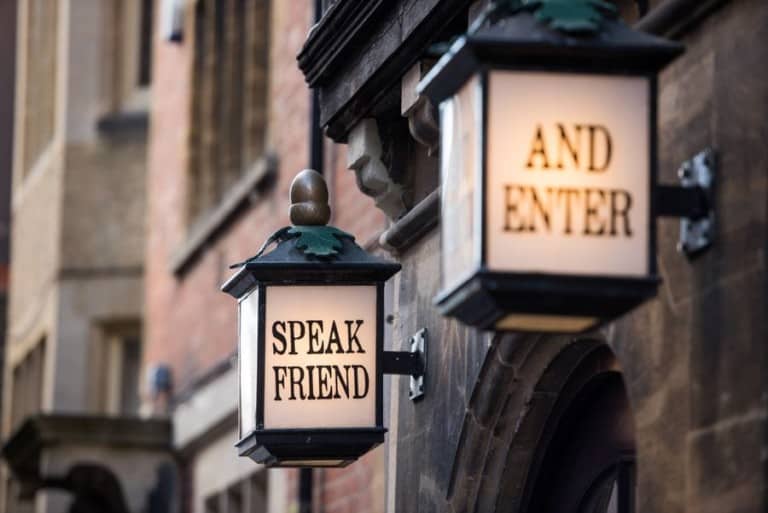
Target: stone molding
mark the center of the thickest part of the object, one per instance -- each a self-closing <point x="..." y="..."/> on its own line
<point x="333" y="37"/>
<point x="423" y="122"/>
<point x="674" y="18"/>
<point x="418" y="222"/>
<point x="518" y="394"/>
<point x="357" y="53"/>
<point x="364" y="157"/>
<point x="23" y="450"/>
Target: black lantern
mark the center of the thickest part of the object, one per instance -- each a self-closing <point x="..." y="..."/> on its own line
<point x="548" y="163"/>
<point x="310" y="340"/>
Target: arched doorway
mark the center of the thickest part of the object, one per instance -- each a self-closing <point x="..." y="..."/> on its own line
<point x="588" y="464"/>
<point x="548" y="429"/>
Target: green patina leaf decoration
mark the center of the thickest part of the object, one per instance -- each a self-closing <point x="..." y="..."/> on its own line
<point x="569" y="16"/>
<point x="572" y="16"/>
<point x="277" y="237"/>
<point x="319" y="240"/>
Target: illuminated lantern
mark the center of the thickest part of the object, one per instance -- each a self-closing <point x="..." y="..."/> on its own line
<point x="548" y="164"/>
<point x="310" y="340"/>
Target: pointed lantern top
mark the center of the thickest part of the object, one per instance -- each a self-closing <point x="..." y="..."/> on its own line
<point x="309" y="251"/>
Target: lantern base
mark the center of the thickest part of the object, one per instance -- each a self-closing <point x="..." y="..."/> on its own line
<point x="543" y="303"/>
<point x="309" y="447"/>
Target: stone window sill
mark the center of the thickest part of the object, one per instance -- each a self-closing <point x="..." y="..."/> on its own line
<point x="220" y="217"/>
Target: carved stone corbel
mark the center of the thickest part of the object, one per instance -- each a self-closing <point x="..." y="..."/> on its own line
<point x="374" y="178"/>
<point x="422" y="115"/>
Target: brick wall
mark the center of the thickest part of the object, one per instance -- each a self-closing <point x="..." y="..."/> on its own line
<point x="177" y="333"/>
<point x="189" y="324"/>
<point x="358" y="488"/>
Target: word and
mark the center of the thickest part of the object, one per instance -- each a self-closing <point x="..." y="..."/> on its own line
<point x="588" y="211"/>
<point x="570" y="146"/>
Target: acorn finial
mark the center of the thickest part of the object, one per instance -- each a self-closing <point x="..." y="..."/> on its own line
<point x="309" y="199"/>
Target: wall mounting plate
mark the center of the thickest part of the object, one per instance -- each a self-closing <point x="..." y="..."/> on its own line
<point x="419" y="346"/>
<point x="411" y="363"/>
<point x="697" y="234"/>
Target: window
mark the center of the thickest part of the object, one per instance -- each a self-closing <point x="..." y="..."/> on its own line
<point x="145" y="43"/>
<point x="229" y="99"/>
<point x="117" y="369"/>
<point x="27" y="386"/>
<point x="39" y="86"/>
<point x="128" y="57"/>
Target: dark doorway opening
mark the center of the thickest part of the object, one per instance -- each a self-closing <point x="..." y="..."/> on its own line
<point x="588" y="465"/>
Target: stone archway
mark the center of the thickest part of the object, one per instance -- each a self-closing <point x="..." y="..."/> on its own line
<point x="588" y="465"/>
<point x="525" y="386"/>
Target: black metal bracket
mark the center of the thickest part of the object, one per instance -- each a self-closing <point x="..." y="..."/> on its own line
<point x="674" y="201"/>
<point x="692" y="201"/>
<point x="411" y="363"/>
<point x="403" y="363"/>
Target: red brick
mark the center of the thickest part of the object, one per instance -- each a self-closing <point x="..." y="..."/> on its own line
<point x="190" y="324"/>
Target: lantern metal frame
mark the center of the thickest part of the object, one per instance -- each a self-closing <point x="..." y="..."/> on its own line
<point x="288" y="265"/>
<point x="521" y="42"/>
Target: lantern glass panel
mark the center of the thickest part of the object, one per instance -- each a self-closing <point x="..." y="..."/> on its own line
<point x="313" y="463"/>
<point x="248" y="354"/>
<point x="320" y="356"/>
<point x="461" y="120"/>
<point x="568" y="160"/>
<point x="546" y="323"/>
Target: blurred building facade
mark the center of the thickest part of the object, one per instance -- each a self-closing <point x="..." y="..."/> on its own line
<point x="230" y="128"/>
<point x="7" y="87"/>
<point x="127" y="214"/>
<point x="72" y="439"/>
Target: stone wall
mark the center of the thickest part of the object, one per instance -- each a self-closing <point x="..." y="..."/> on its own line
<point x="427" y="432"/>
<point x="693" y="359"/>
<point x="77" y="208"/>
<point x="32" y="300"/>
<point x="35" y="234"/>
<point x="104" y="217"/>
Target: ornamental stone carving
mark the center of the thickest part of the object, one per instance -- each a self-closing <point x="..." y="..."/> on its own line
<point x="374" y="178"/>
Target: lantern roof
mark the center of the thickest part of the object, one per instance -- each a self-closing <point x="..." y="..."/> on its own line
<point x="309" y="252"/>
<point x="554" y="35"/>
<point x="290" y="263"/>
